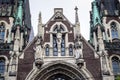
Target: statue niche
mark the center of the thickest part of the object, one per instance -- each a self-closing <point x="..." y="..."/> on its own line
<point x="38" y="52"/>
<point x="78" y="51"/>
<point x="78" y="48"/>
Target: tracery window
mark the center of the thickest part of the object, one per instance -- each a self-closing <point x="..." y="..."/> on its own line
<point x="2" y="32"/>
<point x="58" y="28"/>
<point x="55" y="48"/>
<point x="2" y="66"/>
<point x="58" y="40"/>
<point x="63" y="46"/>
<point x="70" y="50"/>
<point x="47" y="50"/>
<point x="116" y="65"/>
<point x="114" y="30"/>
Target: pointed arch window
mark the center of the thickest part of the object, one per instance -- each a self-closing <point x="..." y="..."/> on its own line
<point x="58" y="28"/>
<point x="55" y="48"/>
<point x="114" y="30"/>
<point x="2" y="32"/>
<point x="2" y="66"/>
<point x="58" y="40"/>
<point x="116" y="65"/>
<point x="47" y="50"/>
<point x="70" y="50"/>
<point x="63" y="46"/>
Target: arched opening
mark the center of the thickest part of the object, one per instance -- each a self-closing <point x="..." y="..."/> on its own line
<point x="58" y="40"/>
<point x="2" y="68"/>
<point x="2" y="65"/>
<point x="63" y="46"/>
<point x="47" y="50"/>
<point x="2" y="32"/>
<point x="116" y="65"/>
<point x="59" y="71"/>
<point x="55" y="48"/>
<point x="70" y="50"/>
<point x="114" y="30"/>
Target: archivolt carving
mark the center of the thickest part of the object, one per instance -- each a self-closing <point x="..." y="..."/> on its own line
<point x="48" y="71"/>
<point x="45" y="74"/>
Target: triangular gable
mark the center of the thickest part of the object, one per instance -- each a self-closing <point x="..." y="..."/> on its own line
<point x="58" y="15"/>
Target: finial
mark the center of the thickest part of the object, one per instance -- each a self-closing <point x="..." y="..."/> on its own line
<point x="76" y="8"/>
<point x="39" y="23"/>
<point x="76" y="15"/>
<point x="39" y="17"/>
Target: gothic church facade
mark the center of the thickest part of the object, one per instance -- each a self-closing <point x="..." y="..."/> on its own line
<point x="59" y="51"/>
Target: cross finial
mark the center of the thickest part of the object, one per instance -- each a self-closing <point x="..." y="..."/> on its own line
<point x="76" y="8"/>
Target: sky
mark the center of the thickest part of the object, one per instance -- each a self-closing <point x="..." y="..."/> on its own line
<point x="46" y="7"/>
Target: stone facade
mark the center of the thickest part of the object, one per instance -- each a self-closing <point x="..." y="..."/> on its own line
<point x="15" y="27"/>
<point x="59" y="51"/>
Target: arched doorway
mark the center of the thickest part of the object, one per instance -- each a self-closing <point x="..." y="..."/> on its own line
<point x="59" y="71"/>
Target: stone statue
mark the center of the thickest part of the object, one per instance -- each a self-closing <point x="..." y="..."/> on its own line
<point x="59" y="35"/>
<point x="78" y="54"/>
<point x="59" y="38"/>
<point x="38" y="53"/>
<point x="78" y="48"/>
<point x="38" y="49"/>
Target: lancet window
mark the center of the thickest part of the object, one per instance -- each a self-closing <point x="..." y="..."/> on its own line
<point x="114" y="30"/>
<point x="2" y="32"/>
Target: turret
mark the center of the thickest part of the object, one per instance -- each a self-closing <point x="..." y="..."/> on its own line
<point x="19" y="16"/>
<point x="96" y="15"/>
<point x="17" y="36"/>
<point x="97" y="29"/>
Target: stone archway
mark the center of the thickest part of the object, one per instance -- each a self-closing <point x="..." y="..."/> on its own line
<point x="59" y="71"/>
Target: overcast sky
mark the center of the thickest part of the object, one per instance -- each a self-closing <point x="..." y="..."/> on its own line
<point x="46" y="7"/>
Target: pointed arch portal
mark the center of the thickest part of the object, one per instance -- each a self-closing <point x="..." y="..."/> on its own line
<point x="60" y="71"/>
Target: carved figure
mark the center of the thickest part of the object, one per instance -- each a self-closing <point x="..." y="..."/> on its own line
<point x="78" y="48"/>
<point x="38" y="49"/>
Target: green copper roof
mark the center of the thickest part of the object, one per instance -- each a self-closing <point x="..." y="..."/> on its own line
<point x="19" y="14"/>
<point x="95" y="12"/>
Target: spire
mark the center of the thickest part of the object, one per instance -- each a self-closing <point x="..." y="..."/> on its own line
<point x="76" y="15"/>
<point x="19" y="14"/>
<point x="95" y="12"/>
<point x="39" y="24"/>
<point x="77" y="23"/>
<point x="40" y="20"/>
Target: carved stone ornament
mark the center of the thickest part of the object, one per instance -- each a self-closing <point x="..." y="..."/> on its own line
<point x="39" y="62"/>
<point x="80" y="62"/>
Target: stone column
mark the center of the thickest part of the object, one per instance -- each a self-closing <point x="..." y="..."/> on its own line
<point x="95" y="41"/>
